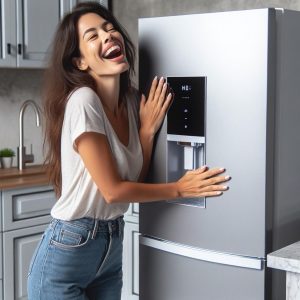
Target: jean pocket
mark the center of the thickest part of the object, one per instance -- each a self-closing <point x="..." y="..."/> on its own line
<point x="69" y="236"/>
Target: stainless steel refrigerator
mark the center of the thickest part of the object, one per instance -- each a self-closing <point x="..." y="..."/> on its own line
<point x="236" y="78"/>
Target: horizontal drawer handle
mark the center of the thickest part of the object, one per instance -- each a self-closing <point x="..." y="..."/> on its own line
<point x="204" y="254"/>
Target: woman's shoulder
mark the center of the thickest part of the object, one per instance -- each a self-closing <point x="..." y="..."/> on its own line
<point x="83" y="96"/>
<point x="82" y="93"/>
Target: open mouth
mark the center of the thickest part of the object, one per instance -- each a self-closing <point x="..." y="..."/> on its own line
<point x="113" y="52"/>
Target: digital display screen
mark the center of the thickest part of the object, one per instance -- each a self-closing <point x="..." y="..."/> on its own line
<point x="187" y="112"/>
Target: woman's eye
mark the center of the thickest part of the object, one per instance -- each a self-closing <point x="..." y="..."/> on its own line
<point x="111" y="29"/>
<point x="93" y="36"/>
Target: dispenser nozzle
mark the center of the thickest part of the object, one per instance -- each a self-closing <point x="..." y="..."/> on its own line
<point x="188" y="157"/>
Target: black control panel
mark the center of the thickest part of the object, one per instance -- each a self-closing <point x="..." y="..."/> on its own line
<point x="187" y="112"/>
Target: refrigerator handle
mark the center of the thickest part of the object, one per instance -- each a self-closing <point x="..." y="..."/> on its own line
<point x="204" y="254"/>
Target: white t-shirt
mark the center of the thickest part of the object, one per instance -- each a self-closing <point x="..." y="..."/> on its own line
<point x="80" y="196"/>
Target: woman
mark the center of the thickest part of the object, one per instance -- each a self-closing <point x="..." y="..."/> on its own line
<point x="100" y="142"/>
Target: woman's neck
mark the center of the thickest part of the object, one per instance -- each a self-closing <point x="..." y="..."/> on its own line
<point x="108" y="89"/>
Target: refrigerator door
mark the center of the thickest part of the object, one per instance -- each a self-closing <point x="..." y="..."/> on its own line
<point x="231" y="50"/>
<point x="169" y="276"/>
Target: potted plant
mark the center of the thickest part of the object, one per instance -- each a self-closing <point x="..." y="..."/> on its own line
<point x="6" y="157"/>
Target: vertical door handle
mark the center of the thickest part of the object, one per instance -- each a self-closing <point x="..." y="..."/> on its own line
<point x="19" y="49"/>
<point x="8" y="50"/>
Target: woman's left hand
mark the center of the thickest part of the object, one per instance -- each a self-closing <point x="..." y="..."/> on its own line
<point x="153" y="110"/>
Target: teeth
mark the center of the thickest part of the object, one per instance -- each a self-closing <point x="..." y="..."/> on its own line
<point x="111" y="49"/>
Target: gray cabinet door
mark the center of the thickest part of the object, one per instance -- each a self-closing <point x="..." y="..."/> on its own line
<point x="67" y="5"/>
<point x="131" y="262"/>
<point x="36" y="24"/>
<point x="19" y="246"/>
<point x="7" y="33"/>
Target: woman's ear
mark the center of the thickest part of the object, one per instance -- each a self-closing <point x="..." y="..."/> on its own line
<point x="79" y="62"/>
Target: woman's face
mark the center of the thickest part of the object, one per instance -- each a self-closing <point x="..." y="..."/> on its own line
<point x="101" y="47"/>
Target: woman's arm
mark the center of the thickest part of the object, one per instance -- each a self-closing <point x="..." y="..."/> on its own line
<point x="146" y="140"/>
<point x="95" y="152"/>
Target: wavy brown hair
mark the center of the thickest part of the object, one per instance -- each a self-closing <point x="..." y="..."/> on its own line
<point x="62" y="77"/>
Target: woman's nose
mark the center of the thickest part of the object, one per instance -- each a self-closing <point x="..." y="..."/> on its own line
<point x="107" y="37"/>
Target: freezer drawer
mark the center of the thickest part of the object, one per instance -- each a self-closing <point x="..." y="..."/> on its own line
<point x="168" y="276"/>
<point x="215" y="227"/>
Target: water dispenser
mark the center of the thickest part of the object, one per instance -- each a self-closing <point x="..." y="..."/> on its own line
<point x="186" y="130"/>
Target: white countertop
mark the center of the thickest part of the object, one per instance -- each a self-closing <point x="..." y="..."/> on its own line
<point x="287" y="258"/>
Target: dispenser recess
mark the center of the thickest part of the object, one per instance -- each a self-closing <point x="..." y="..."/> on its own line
<point x="186" y="130"/>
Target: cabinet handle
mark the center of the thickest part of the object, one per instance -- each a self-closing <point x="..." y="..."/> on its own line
<point x="19" y="49"/>
<point x="8" y="48"/>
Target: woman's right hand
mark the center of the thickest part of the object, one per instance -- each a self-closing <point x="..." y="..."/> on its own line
<point x="202" y="182"/>
<point x="153" y="110"/>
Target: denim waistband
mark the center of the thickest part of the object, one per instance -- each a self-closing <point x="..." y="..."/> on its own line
<point x="96" y="225"/>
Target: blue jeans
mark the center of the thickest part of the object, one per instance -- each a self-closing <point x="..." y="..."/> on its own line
<point x="78" y="260"/>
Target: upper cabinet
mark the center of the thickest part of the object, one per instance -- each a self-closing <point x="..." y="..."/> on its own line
<point x="8" y="33"/>
<point x="27" y="29"/>
<point x="36" y="24"/>
<point x="68" y="4"/>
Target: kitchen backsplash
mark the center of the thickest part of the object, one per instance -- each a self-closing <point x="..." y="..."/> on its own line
<point x="17" y="86"/>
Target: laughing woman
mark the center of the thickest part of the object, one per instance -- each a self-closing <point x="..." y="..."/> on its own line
<point x="100" y="136"/>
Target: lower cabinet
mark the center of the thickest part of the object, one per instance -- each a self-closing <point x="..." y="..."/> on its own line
<point x="24" y="218"/>
<point x="18" y="248"/>
<point x="131" y="255"/>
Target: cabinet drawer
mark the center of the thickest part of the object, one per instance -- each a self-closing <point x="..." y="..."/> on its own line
<point x="26" y="207"/>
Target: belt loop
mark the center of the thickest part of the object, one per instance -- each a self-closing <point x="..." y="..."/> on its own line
<point x="119" y="225"/>
<point x="53" y="223"/>
<point x="95" y="229"/>
<point x="109" y="228"/>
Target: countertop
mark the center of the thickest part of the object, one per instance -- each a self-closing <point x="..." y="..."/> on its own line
<point x="30" y="176"/>
<point x="287" y="258"/>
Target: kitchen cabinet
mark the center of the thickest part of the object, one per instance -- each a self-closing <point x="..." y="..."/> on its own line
<point x="25" y="216"/>
<point x="27" y="29"/>
<point x="18" y="248"/>
<point x="68" y="4"/>
<point x="8" y="33"/>
<point x="131" y="254"/>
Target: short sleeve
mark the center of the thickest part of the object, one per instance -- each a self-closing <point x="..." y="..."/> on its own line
<point x="84" y="113"/>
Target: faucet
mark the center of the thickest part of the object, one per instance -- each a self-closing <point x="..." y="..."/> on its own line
<point x="22" y="156"/>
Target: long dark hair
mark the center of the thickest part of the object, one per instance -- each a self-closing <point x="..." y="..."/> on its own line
<point x="62" y="76"/>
